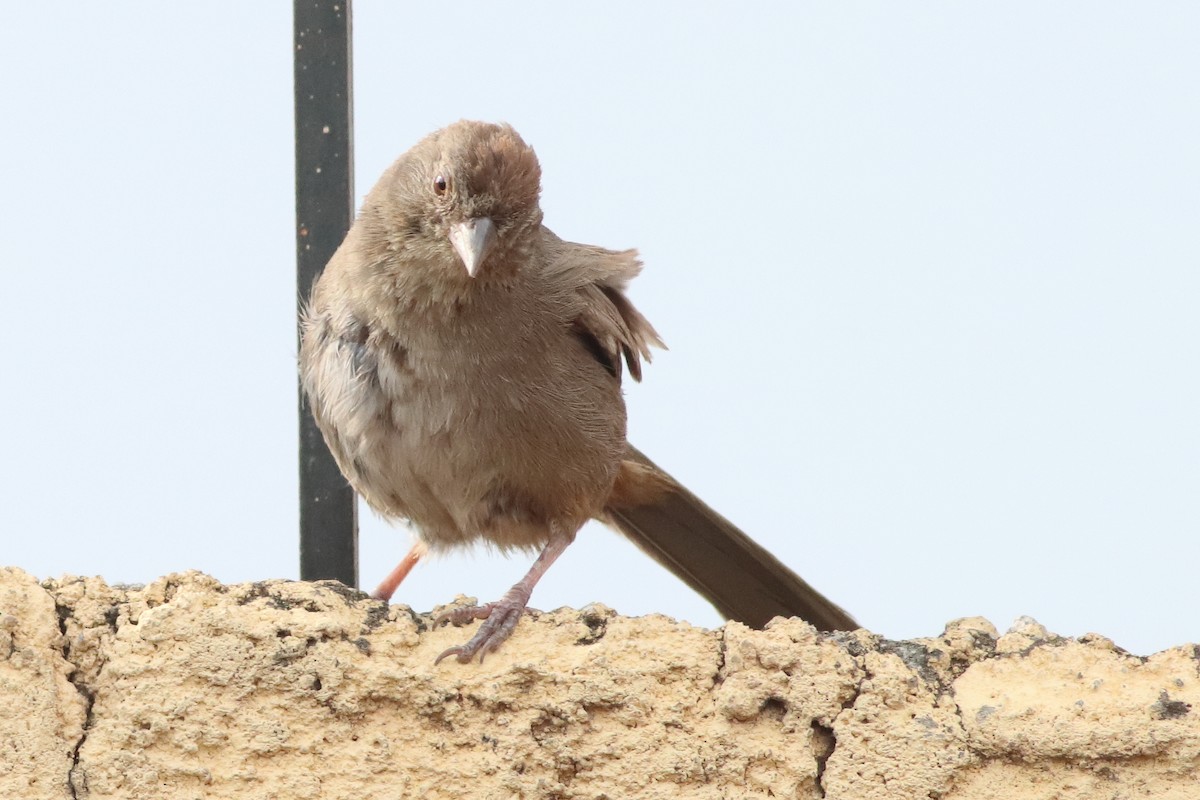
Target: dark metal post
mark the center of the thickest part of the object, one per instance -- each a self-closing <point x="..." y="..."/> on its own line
<point x="324" y="211"/>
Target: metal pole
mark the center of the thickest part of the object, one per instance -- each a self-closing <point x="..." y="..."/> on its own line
<point x="324" y="211"/>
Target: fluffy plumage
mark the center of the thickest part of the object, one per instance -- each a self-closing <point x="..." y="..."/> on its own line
<point x="464" y="365"/>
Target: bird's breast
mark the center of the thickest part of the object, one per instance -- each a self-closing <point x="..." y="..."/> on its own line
<point x="467" y="426"/>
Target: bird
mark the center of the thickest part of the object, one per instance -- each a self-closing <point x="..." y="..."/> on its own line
<point x="464" y="365"/>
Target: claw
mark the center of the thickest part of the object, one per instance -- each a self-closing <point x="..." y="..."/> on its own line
<point x="499" y="621"/>
<point x="501" y="617"/>
<point x="462" y="615"/>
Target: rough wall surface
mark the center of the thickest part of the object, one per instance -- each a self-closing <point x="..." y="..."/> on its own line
<point x="190" y="689"/>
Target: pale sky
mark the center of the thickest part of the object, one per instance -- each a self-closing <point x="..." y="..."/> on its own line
<point x="929" y="275"/>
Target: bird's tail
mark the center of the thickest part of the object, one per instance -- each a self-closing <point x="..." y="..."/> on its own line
<point x="709" y="553"/>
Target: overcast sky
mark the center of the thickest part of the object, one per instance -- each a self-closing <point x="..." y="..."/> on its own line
<point x="930" y="276"/>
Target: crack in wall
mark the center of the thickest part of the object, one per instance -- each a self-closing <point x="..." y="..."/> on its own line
<point x="76" y="778"/>
<point x="824" y="744"/>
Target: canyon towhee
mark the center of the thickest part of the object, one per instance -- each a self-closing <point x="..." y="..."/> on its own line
<point x="465" y="365"/>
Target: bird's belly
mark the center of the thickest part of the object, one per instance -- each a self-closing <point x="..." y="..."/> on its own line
<point x="466" y="458"/>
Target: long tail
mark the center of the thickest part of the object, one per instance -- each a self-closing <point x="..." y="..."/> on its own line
<point x="709" y="553"/>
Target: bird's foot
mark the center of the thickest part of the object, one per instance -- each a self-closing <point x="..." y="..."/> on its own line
<point x="461" y="615"/>
<point x="499" y="621"/>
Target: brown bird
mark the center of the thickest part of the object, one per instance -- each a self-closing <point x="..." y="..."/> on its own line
<point x="464" y="365"/>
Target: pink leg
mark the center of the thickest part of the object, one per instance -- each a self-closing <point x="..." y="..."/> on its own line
<point x="386" y="589"/>
<point x="501" y="617"/>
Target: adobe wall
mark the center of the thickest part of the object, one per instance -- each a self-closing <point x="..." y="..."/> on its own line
<point x="190" y="689"/>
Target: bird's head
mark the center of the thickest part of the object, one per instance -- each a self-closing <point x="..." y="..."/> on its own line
<point x="466" y="198"/>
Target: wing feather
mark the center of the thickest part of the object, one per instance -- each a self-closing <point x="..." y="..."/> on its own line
<point x="609" y="325"/>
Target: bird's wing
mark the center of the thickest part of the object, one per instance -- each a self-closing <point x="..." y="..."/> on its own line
<point x="603" y="317"/>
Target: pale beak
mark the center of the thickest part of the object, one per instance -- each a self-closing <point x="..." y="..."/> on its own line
<point x="472" y="240"/>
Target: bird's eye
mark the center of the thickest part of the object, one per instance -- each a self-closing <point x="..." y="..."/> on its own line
<point x="441" y="184"/>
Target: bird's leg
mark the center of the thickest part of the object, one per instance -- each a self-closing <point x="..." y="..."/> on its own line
<point x="386" y="589"/>
<point x="501" y="617"/>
